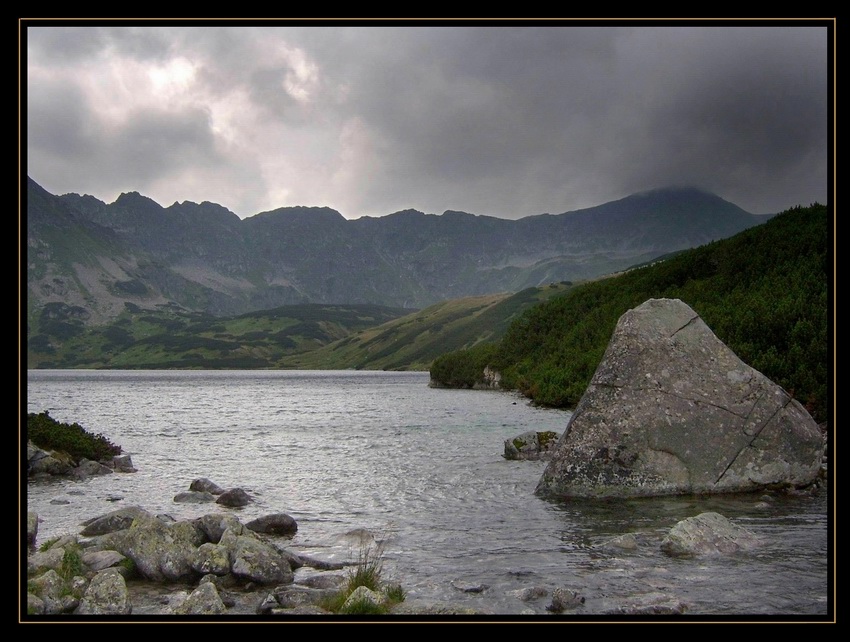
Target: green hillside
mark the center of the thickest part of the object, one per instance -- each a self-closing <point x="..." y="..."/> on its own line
<point x="414" y="341"/>
<point x="307" y="336"/>
<point x="169" y="336"/>
<point x="764" y="292"/>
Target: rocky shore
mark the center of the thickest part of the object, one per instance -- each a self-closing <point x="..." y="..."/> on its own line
<point x="132" y="563"/>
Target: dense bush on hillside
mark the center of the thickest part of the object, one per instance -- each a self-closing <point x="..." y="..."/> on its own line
<point x="764" y="292"/>
<point x="45" y="432"/>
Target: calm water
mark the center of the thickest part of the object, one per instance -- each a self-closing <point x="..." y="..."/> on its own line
<point x="422" y="469"/>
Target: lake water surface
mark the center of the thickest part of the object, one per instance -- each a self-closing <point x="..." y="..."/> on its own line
<point x="421" y="468"/>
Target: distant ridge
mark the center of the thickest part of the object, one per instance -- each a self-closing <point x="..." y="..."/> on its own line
<point x="96" y="257"/>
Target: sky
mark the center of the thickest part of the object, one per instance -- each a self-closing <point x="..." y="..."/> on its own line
<point x="498" y="119"/>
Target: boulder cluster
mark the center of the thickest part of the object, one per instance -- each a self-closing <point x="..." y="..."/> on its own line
<point x="215" y="556"/>
<point x="46" y="463"/>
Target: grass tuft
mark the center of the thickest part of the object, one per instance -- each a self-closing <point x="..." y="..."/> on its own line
<point x="366" y="572"/>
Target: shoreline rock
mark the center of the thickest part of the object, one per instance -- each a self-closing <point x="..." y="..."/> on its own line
<point x="672" y="410"/>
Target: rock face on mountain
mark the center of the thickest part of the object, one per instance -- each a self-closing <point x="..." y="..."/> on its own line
<point x="672" y="410"/>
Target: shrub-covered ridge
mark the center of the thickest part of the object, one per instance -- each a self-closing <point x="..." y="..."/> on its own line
<point x="764" y="292"/>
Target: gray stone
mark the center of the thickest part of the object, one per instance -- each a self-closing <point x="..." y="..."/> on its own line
<point x="89" y="468"/>
<point x="211" y="558"/>
<point x="531" y="445"/>
<point x="705" y="534"/>
<point x="469" y="587"/>
<point x="274" y="524"/>
<point x="44" y="463"/>
<point x="258" y="562"/>
<point x="162" y="551"/>
<point x="363" y="594"/>
<point x="295" y="560"/>
<point x="530" y="593"/>
<point x="293" y="596"/>
<point x="234" y="497"/>
<point x="35" y="605"/>
<point x="268" y="604"/>
<point x="193" y="497"/>
<point x="115" y="521"/>
<point x="41" y="561"/>
<point x="214" y="525"/>
<point x="328" y="581"/>
<point x="204" y="600"/>
<point x="106" y="595"/>
<point x="203" y="484"/>
<point x="626" y="542"/>
<point x="672" y="410"/>
<point x="99" y="560"/>
<point x="49" y="587"/>
<point x="123" y="464"/>
<point x="564" y="599"/>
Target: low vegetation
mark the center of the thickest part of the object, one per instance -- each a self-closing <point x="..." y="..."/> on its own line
<point x="764" y="292"/>
<point x="168" y="336"/>
<point x="368" y="573"/>
<point x="49" y="434"/>
<point x="415" y="340"/>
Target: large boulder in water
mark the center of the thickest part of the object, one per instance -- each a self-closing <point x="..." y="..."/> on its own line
<point x="672" y="410"/>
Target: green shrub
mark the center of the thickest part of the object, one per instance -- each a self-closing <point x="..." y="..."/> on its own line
<point x="45" y="432"/>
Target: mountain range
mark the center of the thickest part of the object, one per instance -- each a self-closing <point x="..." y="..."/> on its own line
<point x="93" y="258"/>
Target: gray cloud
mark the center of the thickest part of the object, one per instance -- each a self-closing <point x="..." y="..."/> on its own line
<point x="503" y="120"/>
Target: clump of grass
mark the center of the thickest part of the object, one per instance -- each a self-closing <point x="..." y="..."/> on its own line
<point x="366" y="572"/>
<point x="395" y="593"/>
<point x="72" y="564"/>
<point x="129" y="567"/>
<point x="45" y="545"/>
<point x="34" y="588"/>
<point x="370" y="565"/>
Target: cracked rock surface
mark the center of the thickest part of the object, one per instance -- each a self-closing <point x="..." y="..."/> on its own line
<point x="672" y="410"/>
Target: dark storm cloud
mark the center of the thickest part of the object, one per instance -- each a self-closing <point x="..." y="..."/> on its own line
<point x="501" y="120"/>
<point x="738" y="113"/>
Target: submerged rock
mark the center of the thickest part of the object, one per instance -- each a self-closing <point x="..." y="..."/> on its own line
<point x="564" y="599"/>
<point x="707" y="533"/>
<point x="193" y="497"/>
<point x="234" y="497"/>
<point x="274" y="524"/>
<point x="531" y="445"/>
<point x="672" y="410"/>
<point x="204" y="485"/>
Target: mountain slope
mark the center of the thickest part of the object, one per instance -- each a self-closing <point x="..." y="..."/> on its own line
<point x="415" y="340"/>
<point x="97" y="256"/>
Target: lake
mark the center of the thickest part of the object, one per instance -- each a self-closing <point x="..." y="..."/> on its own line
<point x="422" y="469"/>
